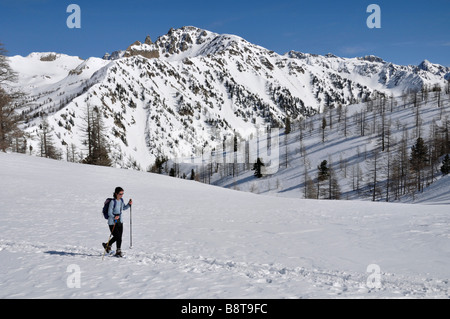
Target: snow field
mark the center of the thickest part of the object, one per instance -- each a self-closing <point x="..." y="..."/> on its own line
<point x="192" y="240"/>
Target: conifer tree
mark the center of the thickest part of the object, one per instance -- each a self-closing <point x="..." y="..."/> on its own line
<point x="159" y="164"/>
<point x="257" y="168"/>
<point x="322" y="175"/>
<point x="419" y="159"/>
<point x="445" y="168"/>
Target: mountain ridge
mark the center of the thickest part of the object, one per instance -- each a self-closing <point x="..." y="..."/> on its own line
<point x="191" y="88"/>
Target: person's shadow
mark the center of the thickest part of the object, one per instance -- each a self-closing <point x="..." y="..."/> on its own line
<point x="65" y="253"/>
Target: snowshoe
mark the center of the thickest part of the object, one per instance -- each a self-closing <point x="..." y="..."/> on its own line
<point x="106" y="248"/>
<point x="118" y="253"/>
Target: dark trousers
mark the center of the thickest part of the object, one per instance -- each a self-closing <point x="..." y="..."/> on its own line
<point x="117" y="234"/>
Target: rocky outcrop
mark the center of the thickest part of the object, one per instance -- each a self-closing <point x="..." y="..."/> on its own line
<point x="146" y="50"/>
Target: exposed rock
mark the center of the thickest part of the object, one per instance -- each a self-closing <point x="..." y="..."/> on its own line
<point x="148" y="40"/>
<point x="138" y="49"/>
<point x="371" y="58"/>
<point x="48" y="58"/>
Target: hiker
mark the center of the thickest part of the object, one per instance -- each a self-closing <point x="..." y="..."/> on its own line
<point x="115" y="222"/>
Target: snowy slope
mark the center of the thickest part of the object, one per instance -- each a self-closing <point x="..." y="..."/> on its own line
<point x="437" y="193"/>
<point x="192" y="240"/>
<point x="42" y="73"/>
<point x="191" y="88"/>
<point x="42" y="68"/>
<point x="350" y="153"/>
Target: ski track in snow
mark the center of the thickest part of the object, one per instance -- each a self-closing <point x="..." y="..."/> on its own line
<point x="337" y="284"/>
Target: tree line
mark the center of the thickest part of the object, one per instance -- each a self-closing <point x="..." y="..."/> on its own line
<point x="404" y="161"/>
<point x="395" y="166"/>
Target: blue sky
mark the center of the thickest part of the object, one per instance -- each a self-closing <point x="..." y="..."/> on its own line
<point x="411" y="31"/>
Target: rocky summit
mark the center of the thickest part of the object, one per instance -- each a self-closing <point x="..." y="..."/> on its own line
<point x="191" y="88"/>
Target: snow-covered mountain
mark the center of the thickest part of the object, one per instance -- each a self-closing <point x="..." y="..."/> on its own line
<point x="191" y="88"/>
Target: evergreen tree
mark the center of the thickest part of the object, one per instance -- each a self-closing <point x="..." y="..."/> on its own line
<point x="257" y="168"/>
<point x="323" y="173"/>
<point x="159" y="164"/>
<point x="419" y="159"/>
<point x="445" y="168"/>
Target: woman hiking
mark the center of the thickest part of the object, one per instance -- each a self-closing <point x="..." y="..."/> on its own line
<point x="115" y="222"/>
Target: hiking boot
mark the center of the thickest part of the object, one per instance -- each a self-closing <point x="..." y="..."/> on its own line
<point x="106" y="248"/>
<point x="119" y="253"/>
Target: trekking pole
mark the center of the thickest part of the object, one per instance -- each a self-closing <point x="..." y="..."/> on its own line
<point x="131" y="232"/>
<point x="109" y="239"/>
